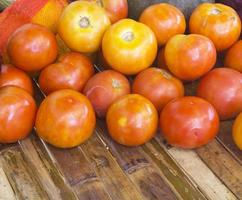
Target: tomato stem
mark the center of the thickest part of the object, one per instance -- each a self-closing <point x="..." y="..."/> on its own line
<point x="84" y="22"/>
<point x="128" y="36"/>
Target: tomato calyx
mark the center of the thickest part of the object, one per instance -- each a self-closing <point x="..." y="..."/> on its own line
<point x="84" y="22"/>
<point x="215" y="11"/>
<point x="116" y="83"/>
<point x="128" y="36"/>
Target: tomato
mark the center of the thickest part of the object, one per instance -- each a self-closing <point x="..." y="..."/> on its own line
<point x="116" y="10"/>
<point x="82" y="25"/>
<point x="11" y="75"/>
<point x="17" y="114"/>
<point x="129" y="46"/>
<point x="218" y="22"/>
<point x="233" y="57"/>
<point x="222" y="87"/>
<point x="189" y="122"/>
<point x="132" y="120"/>
<point x="165" y="20"/>
<point x="161" y="62"/>
<point x="104" y="88"/>
<point x="190" y="56"/>
<point x="65" y="119"/>
<point x="158" y="85"/>
<point x="237" y="131"/>
<point x="32" y="47"/>
<point x="72" y="72"/>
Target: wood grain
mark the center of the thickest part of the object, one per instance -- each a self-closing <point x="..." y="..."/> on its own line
<point x="6" y="192"/>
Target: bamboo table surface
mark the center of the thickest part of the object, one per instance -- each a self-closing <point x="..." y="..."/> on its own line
<point x="101" y="169"/>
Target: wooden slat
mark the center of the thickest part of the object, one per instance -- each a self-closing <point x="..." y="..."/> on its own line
<point x="223" y="165"/>
<point x="198" y="172"/>
<point x="116" y="182"/>
<point x="52" y="187"/>
<point x="79" y="173"/>
<point x="6" y="192"/>
<point x="21" y="178"/>
<point x="133" y="161"/>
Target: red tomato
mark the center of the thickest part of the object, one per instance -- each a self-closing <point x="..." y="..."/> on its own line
<point x="65" y="119"/>
<point x="132" y="120"/>
<point x="72" y="72"/>
<point x="11" y="75"/>
<point x="222" y="87"/>
<point x="189" y="122"/>
<point x="165" y="20"/>
<point x="17" y="114"/>
<point x="218" y="22"/>
<point x="104" y="88"/>
<point x="116" y="10"/>
<point x="129" y="46"/>
<point x="32" y="47"/>
<point x="237" y="131"/>
<point x="190" y="56"/>
<point x="233" y="57"/>
<point x="158" y="85"/>
<point x="82" y="25"/>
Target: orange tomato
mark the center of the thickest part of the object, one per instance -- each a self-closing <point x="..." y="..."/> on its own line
<point x="11" y="75"/>
<point x="82" y="25"/>
<point x="32" y="47"/>
<point x="190" y="56"/>
<point x="219" y="22"/>
<point x="165" y="20"/>
<point x="237" y="131"/>
<point x="18" y="109"/>
<point x="233" y="57"/>
<point x="129" y="46"/>
<point x="72" y="72"/>
<point x="65" y="119"/>
<point x="158" y="85"/>
<point x="104" y="88"/>
<point x="132" y="120"/>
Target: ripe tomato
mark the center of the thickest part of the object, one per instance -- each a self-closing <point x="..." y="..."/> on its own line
<point x="161" y="62"/>
<point x="132" y="120"/>
<point x="190" y="56"/>
<point x="233" y="57"/>
<point x="218" y="22"/>
<point x="72" y="72"/>
<point x="189" y="122"/>
<point x="104" y="88"/>
<point x="129" y="46"/>
<point x="65" y="119"/>
<point x="116" y="10"/>
<point x="237" y="131"/>
<point x="82" y="25"/>
<point x="17" y="114"/>
<point x="165" y="20"/>
<point x="11" y="75"/>
<point x="222" y="87"/>
<point x="158" y="85"/>
<point x="32" y="47"/>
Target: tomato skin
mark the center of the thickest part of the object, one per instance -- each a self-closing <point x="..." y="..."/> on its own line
<point x="82" y="25"/>
<point x="65" y="119"/>
<point x="189" y="122"/>
<point x="129" y="46"/>
<point x="237" y="131"/>
<point x="157" y="85"/>
<point x="222" y="87"/>
<point x="189" y="57"/>
<point x="32" y="47"/>
<point x="212" y="20"/>
<point x="165" y="20"/>
<point x="233" y="57"/>
<point x="18" y="109"/>
<point x="11" y="75"/>
<point x="132" y="120"/>
<point x="104" y="88"/>
<point x="72" y="72"/>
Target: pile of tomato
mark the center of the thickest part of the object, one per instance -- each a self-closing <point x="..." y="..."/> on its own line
<point x="141" y="88"/>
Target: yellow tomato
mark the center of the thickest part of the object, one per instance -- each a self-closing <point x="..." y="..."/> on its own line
<point x="82" y="25"/>
<point x="237" y="131"/>
<point x="129" y="46"/>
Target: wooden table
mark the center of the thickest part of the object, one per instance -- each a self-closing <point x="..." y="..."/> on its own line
<point x="102" y="169"/>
